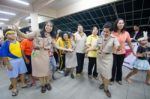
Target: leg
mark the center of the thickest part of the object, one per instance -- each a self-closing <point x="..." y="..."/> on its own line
<point x="114" y="67"/>
<point x="90" y="66"/>
<point x="82" y="62"/>
<point x="14" y="84"/>
<point x="47" y="83"/>
<point x="71" y="71"/>
<point x="120" y="59"/>
<point x="42" y="81"/>
<point x="148" y="78"/>
<point x="95" y="68"/>
<point x="133" y="72"/>
<point x="79" y="62"/>
<point x="22" y="78"/>
<point x="106" y="90"/>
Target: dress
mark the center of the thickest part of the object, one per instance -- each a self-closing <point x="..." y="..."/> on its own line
<point x="71" y="59"/>
<point x="141" y="63"/>
<point x="105" y="58"/>
<point x="40" y="57"/>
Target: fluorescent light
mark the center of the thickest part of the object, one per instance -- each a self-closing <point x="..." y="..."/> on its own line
<point x="27" y="18"/>
<point x="9" y="13"/>
<point x="3" y="19"/>
<point x="21" y="2"/>
<point x="1" y="23"/>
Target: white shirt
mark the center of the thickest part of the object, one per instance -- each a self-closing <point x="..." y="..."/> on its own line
<point x="80" y="42"/>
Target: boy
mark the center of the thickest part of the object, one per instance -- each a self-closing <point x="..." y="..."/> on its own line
<point x="12" y="56"/>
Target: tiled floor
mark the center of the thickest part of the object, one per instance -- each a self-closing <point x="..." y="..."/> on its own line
<point x="79" y="88"/>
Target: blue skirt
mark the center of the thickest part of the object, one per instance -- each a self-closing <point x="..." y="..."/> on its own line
<point x="18" y="66"/>
<point x="141" y="64"/>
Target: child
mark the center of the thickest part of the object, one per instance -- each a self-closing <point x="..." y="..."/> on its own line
<point x="71" y="59"/>
<point x="27" y="46"/>
<point x="141" y="62"/>
<point x="12" y="56"/>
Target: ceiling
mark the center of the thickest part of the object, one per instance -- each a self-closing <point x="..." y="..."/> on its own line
<point x="133" y="11"/>
<point x="43" y="7"/>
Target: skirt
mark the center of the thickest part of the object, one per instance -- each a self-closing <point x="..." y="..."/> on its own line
<point x="104" y="65"/>
<point x="40" y="63"/>
<point x="71" y="60"/>
<point x="141" y="64"/>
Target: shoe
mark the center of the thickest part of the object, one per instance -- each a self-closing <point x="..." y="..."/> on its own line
<point x="119" y="82"/>
<point x="112" y="82"/>
<point x="95" y="77"/>
<point x="43" y="89"/>
<point x="78" y="75"/>
<point x="15" y="93"/>
<point x="10" y="87"/>
<point x="101" y="86"/>
<point x="107" y="92"/>
<point x="48" y="87"/>
<point x="90" y="76"/>
<point x="72" y="76"/>
<point x="24" y="86"/>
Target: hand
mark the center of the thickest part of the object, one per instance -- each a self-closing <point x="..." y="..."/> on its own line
<point x="9" y="67"/>
<point x="27" y="60"/>
<point x="70" y="50"/>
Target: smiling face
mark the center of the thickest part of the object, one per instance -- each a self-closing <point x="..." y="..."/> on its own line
<point x="48" y="27"/>
<point x="12" y="36"/>
<point x="120" y="24"/>
<point x="95" y="31"/>
<point x="80" y="29"/>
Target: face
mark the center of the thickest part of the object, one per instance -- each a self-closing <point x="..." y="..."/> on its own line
<point x="120" y="24"/>
<point x="48" y="27"/>
<point x="65" y="36"/>
<point x="143" y="42"/>
<point x="136" y="28"/>
<point x="12" y="36"/>
<point x="106" y="32"/>
<point x="95" y="31"/>
<point x="80" y="28"/>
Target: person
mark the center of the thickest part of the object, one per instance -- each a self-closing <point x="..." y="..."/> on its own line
<point x="63" y="42"/>
<point x="106" y="44"/>
<point x="13" y="60"/>
<point x="119" y="55"/>
<point x="80" y="39"/>
<point x="141" y="62"/>
<point x="27" y="46"/>
<point x="91" y="44"/>
<point x="71" y="59"/>
<point x="40" y="58"/>
<point x="1" y="42"/>
<point x="137" y="32"/>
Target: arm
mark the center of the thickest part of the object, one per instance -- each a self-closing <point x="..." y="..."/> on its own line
<point x="60" y="48"/>
<point x="27" y="36"/>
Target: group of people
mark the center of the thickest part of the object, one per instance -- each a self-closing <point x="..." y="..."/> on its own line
<point x="35" y="55"/>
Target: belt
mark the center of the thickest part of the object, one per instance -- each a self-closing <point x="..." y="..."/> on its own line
<point x="105" y="53"/>
<point x="40" y="49"/>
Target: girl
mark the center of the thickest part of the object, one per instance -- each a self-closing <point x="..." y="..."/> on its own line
<point x="42" y="43"/>
<point x="141" y="62"/>
<point x="71" y="59"/>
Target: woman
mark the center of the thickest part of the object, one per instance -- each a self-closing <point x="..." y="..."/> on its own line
<point x="90" y="44"/>
<point x="119" y="55"/>
<point x="104" y="56"/>
<point x="40" y="56"/>
<point x="80" y="39"/>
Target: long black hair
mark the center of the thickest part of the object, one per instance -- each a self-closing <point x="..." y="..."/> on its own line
<point x="52" y="33"/>
<point x="115" y="25"/>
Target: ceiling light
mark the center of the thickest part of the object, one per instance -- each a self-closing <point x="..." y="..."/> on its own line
<point x="8" y="13"/>
<point x="21" y="2"/>
<point x="1" y="23"/>
<point x="3" y="19"/>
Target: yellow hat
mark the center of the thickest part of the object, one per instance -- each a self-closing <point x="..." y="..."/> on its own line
<point x="9" y="32"/>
